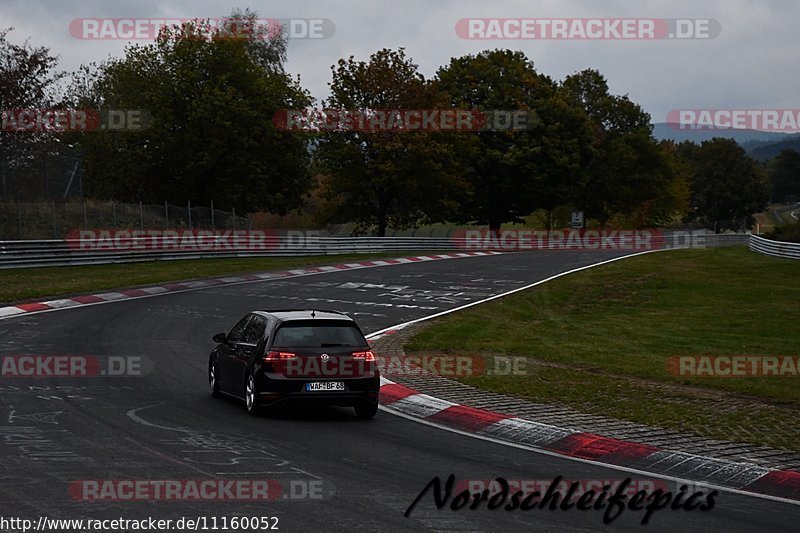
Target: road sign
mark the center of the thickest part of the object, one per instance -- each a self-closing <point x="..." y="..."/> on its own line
<point x="577" y="219"/>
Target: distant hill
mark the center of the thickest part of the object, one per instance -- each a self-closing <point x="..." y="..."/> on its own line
<point x="665" y="130"/>
<point x="760" y="145"/>
<point x="767" y="150"/>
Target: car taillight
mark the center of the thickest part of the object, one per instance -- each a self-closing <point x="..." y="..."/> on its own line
<point x="366" y="356"/>
<point x="273" y="357"/>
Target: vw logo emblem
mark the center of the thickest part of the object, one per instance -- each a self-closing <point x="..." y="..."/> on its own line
<point x="324" y="357"/>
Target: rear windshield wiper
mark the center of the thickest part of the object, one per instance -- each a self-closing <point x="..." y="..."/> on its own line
<point x="330" y="345"/>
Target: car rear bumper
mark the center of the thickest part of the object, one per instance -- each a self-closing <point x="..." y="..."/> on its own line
<point x="341" y="399"/>
<point x="357" y="392"/>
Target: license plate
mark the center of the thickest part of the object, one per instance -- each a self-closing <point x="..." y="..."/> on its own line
<point x="324" y="386"/>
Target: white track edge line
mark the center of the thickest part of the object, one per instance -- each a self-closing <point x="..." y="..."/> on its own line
<point x="501" y="295"/>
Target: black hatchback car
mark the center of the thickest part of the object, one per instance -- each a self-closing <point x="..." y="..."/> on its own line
<point x="306" y="357"/>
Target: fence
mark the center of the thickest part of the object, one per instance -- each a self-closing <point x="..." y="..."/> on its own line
<point x="54" y="220"/>
<point x="788" y="250"/>
<point x="33" y="167"/>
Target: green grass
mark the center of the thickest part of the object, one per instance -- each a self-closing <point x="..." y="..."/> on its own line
<point x="598" y="340"/>
<point x="25" y="284"/>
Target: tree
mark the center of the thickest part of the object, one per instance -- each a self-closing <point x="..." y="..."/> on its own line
<point x="727" y="186"/>
<point x="784" y="176"/>
<point x="385" y="179"/>
<point x="629" y="173"/>
<point x="514" y="172"/>
<point x="211" y="94"/>
<point x="27" y="81"/>
<point x="265" y="43"/>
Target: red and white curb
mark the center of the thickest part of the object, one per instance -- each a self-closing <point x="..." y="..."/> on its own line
<point x="128" y="294"/>
<point x="780" y="484"/>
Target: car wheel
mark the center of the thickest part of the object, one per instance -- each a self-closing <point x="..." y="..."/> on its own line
<point x="366" y="410"/>
<point x="213" y="378"/>
<point x="250" y="395"/>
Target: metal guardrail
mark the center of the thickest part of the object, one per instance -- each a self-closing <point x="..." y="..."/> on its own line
<point x="22" y="254"/>
<point x="129" y="249"/>
<point x="789" y="250"/>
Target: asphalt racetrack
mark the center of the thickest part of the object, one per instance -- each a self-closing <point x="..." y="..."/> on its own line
<point x="335" y="472"/>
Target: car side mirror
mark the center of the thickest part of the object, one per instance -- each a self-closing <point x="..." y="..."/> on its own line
<point x="219" y="337"/>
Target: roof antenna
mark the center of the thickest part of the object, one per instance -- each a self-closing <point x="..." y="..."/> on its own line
<point x="313" y="315"/>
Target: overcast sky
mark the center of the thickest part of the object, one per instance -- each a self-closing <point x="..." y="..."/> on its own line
<point x="752" y="64"/>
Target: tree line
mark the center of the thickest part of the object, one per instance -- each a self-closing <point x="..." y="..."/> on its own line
<point x="211" y="97"/>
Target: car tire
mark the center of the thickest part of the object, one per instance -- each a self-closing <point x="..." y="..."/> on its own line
<point x="366" y="410"/>
<point x="251" y="395"/>
<point x="213" y="378"/>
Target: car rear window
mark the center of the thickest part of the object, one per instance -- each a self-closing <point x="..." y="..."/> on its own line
<point x="318" y="334"/>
